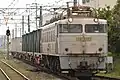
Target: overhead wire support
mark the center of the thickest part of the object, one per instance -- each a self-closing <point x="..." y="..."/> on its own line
<point x="36" y="15"/>
<point x="22" y="25"/>
<point x="12" y="3"/>
<point x="40" y="18"/>
<point x="28" y="23"/>
<point x="18" y="8"/>
<point x="36" y="8"/>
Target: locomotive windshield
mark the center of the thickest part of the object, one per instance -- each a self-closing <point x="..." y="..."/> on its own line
<point x="71" y="28"/>
<point x="95" y="28"/>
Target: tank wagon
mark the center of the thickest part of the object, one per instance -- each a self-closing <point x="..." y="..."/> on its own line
<point x="74" y="43"/>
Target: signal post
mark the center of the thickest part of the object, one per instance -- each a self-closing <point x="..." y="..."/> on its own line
<point x="8" y="34"/>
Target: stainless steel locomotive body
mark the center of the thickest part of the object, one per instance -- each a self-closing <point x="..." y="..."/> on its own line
<point x="81" y="43"/>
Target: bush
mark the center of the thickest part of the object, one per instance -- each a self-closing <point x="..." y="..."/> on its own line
<point x="110" y="54"/>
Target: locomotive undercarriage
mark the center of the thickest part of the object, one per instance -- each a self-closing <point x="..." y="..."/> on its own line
<point x="53" y="63"/>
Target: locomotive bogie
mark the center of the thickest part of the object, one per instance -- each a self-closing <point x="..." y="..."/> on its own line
<point x="82" y="62"/>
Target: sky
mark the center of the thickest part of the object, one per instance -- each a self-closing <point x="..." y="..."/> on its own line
<point x="23" y="3"/>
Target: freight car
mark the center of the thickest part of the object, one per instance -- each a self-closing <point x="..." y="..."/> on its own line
<point x="31" y="41"/>
<point x="16" y="44"/>
<point x="75" y="44"/>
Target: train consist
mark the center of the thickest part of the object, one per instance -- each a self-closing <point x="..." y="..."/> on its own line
<point x="73" y="42"/>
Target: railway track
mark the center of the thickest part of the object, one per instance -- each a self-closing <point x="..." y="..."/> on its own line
<point x="11" y="73"/>
<point x="104" y="78"/>
<point x="65" y="77"/>
<point x="3" y="75"/>
<point x="59" y="75"/>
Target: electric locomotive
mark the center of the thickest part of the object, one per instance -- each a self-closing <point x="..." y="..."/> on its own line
<point x="76" y="43"/>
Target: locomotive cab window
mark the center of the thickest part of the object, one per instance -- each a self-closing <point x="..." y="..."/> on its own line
<point x="70" y="28"/>
<point x="95" y="28"/>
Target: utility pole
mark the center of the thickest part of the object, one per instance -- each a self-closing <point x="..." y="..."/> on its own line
<point x="15" y="30"/>
<point x="4" y="43"/>
<point x="40" y="25"/>
<point x="28" y="23"/>
<point x="20" y="32"/>
<point x="22" y="25"/>
<point x="12" y="33"/>
<point x="75" y="3"/>
<point x="40" y="18"/>
<point x="7" y="47"/>
<point x="36" y="16"/>
<point x="68" y="10"/>
<point x="98" y="3"/>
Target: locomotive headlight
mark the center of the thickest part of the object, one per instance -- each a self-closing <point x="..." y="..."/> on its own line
<point x="66" y="49"/>
<point x="96" y="20"/>
<point x="100" y="49"/>
<point x="70" y="20"/>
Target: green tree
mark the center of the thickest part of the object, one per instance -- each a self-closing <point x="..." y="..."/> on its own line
<point x="106" y="13"/>
<point x="113" y="19"/>
<point x="116" y="23"/>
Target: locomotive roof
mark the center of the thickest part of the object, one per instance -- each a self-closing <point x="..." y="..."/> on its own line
<point x="74" y="11"/>
<point x="76" y="20"/>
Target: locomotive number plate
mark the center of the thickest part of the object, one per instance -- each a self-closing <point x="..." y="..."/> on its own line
<point x="83" y="39"/>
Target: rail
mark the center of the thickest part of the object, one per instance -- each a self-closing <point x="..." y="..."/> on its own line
<point x="13" y="70"/>
<point x="105" y="78"/>
<point x="8" y="78"/>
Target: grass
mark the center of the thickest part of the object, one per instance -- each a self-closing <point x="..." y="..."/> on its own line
<point x="2" y="54"/>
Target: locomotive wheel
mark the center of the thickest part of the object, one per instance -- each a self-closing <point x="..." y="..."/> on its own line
<point x="57" y="65"/>
<point x="45" y="63"/>
<point x="53" y="64"/>
<point x="84" y="78"/>
<point x="50" y="64"/>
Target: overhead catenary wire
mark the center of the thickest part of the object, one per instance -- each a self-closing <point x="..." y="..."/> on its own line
<point x="14" y="6"/>
<point x="56" y="2"/>
<point x="43" y="6"/>
<point x="12" y="3"/>
<point x="32" y="13"/>
<point x="9" y="5"/>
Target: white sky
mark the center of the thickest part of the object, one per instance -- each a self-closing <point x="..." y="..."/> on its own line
<point x="22" y="3"/>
